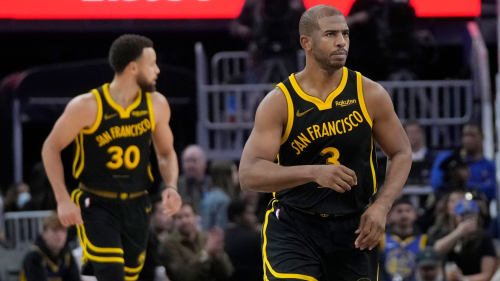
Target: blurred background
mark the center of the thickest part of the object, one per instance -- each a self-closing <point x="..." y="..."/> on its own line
<point x="218" y="58"/>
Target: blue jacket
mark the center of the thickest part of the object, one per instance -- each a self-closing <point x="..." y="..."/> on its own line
<point x="482" y="174"/>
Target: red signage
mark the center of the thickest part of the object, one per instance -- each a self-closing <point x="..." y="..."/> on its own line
<point x="423" y="8"/>
<point x="120" y="9"/>
<point x="193" y="9"/>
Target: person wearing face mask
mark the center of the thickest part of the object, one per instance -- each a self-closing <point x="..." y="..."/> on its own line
<point x="17" y="197"/>
<point x="468" y="245"/>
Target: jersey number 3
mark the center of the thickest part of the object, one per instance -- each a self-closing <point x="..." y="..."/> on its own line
<point x="130" y="158"/>
<point x="334" y="153"/>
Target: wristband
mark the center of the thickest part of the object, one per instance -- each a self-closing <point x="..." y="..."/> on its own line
<point x="171" y="186"/>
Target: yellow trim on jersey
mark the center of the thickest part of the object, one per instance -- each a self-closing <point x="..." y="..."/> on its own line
<point x="134" y="270"/>
<point x="361" y="98"/>
<point x="150" y="174"/>
<point x="382" y="242"/>
<point x="322" y="105"/>
<point x="373" y="167"/>
<point x="266" y="262"/>
<point x="77" y="155"/>
<point x="78" y="172"/>
<point x="289" y="104"/>
<point x="132" y="278"/>
<point x="378" y="270"/>
<point x="423" y="241"/>
<point x="124" y="113"/>
<point x="151" y="112"/>
<point x="86" y="242"/>
<point x="97" y="122"/>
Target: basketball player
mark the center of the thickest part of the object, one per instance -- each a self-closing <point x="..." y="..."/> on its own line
<point x="113" y="127"/>
<point x="322" y="123"/>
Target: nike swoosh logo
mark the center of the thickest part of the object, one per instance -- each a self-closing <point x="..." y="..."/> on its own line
<point x="109" y="116"/>
<point x="299" y="114"/>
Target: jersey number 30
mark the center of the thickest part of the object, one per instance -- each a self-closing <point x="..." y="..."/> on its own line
<point x="118" y="158"/>
<point x="334" y="153"/>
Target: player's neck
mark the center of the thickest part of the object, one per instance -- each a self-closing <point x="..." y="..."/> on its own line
<point x="123" y="90"/>
<point x="317" y="82"/>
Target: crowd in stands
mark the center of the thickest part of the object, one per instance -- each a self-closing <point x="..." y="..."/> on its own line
<point x="446" y="235"/>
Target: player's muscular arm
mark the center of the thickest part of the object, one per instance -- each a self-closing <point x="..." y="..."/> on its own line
<point x="390" y="135"/>
<point x="258" y="172"/>
<point x="79" y="114"/>
<point x="163" y="140"/>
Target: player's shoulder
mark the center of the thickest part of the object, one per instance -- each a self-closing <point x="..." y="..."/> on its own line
<point x="158" y="98"/>
<point x="275" y="97"/>
<point x="83" y="102"/>
<point x="372" y="88"/>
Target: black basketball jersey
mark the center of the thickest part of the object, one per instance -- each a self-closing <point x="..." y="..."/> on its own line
<point x="337" y="131"/>
<point x="114" y="154"/>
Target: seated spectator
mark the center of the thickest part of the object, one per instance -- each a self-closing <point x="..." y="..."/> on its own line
<point x="224" y="175"/>
<point x="468" y="245"/>
<point x="49" y="259"/>
<point x="162" y="226"/>
<point x="445" y="213"/>
<point x="456" y="178"/>
<point x="17" y="196"/>
<point x="401" y="243"/>
<point x="194" y="183"/>
<point x="422" y="157"/>
<point x="482" y="171"/>
<point x="193" y="255"/>
<point x="243" y="242"/>
<point x="429" y="265"/>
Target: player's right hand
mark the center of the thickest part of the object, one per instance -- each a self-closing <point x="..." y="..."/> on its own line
<point x="69" y="213"/>
<point x="337" y="177"/>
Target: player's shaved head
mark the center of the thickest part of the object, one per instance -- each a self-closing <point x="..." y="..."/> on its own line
<point x="309" y="20"/>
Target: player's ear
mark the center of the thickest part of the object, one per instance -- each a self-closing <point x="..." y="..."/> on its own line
<point x="306" y="42"/>
<point x="133" y="67"/>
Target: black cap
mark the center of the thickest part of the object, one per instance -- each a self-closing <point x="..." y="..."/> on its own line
<point x="428" y="257"/>
<point x="453" y="162"/>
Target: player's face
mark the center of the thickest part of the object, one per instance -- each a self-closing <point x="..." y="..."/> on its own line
<point x="185" y="220"/>
<point x="403" y="215"/>
<point x="55" y="238"/>
<point x="148" y="70"/>
<point x="331" y="43"/>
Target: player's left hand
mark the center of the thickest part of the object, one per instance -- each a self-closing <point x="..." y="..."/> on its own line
<point x="171" y="200"/>
<point x="371" y="227"/>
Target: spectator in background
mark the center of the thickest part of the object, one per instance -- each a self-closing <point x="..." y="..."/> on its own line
<point x="193" y="255"/>
<point x="269" y="29"/>
<point x="383" y="32"/>
<point x="17" y="196"/>
<point x="194" y="183"/>
<point x="43" y="197"/>
<point x="445" y="214"/>
<point x="224" y="175"/>
<point x="468" y="245"/>
<point x="401" y="243"/>
<point x="162" y="225"/>
<point x="482" y="171"/>
<point x="429" y="265"/>
<point x="422" y="157"/>
<point x="49" y="259"/>
<point x="3" y="242"/>
<point x="243" y="242"/>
